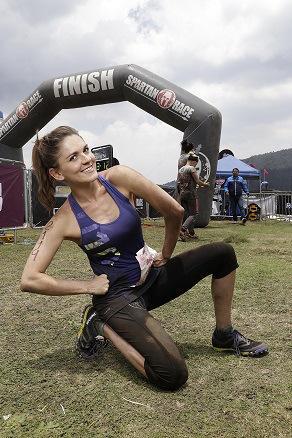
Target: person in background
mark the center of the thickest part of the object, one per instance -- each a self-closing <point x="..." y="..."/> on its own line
<point x="187" y="182"/>
<point x="234" y="186"/>
<point x="288" y="208"/>
<point x="186" y="148"/>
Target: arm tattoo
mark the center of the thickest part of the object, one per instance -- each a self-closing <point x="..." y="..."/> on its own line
<point x="35" y="251"/>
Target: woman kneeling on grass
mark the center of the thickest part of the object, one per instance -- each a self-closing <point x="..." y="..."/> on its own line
<point x="130" y="278"/>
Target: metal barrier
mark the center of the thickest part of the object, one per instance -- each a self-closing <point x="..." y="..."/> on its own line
<point x="276" y="205"/>
<point x="263" y="205"/>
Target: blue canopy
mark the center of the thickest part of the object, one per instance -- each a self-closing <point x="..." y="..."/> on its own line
<point x="226" y="164"/>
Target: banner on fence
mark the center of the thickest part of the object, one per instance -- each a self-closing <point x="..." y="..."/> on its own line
<point x="266" y="203"/>
<point x="12" y="198"/>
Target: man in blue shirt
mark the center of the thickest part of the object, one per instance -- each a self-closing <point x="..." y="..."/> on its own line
<point x="234" y="186"/>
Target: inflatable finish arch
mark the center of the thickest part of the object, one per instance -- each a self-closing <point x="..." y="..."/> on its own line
<point x="200" y="122"/>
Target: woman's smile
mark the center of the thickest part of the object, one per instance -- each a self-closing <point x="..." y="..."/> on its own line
<point x="88" y="169"/>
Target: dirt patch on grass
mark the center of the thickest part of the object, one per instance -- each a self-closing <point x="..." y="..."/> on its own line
<point x="235" y="238"/>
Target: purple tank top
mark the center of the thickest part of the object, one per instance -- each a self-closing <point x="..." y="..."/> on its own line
<point x="112" y="247"/>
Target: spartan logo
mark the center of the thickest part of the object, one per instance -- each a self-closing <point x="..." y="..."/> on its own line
<point x="22" y="110"/>
<point x="203" y="167"/>
<point x="165" y="98"/>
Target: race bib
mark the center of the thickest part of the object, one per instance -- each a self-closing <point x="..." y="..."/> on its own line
<point x="145" y="257"/>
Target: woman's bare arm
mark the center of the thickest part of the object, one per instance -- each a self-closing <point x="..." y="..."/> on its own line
<point x="34" y="278"/>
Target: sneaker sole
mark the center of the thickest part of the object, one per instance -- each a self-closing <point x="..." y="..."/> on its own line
<point x="92" y="356"/>
<point x="256" y="353"/>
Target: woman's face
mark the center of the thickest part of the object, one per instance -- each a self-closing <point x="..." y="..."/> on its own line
<point x="76" y="163"/>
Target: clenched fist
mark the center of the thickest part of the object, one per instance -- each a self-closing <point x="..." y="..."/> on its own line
<point x="99" y="285"/>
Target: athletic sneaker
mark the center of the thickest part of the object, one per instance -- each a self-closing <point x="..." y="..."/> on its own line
<point x="192" y="236"/>
<point x="182" y="236"/>
<point x="239" y="344"/>
<point x="243" y="221"/>
<point x="90" y="341"/>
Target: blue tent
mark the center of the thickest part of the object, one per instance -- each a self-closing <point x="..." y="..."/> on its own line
<point x="226" y="164"/>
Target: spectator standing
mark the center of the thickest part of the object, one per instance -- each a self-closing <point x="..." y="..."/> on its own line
<point x="183" y="158"/>
<point x="234" y="186"/>
<point x="288" y="207"/>
<point x="187" y="182"/>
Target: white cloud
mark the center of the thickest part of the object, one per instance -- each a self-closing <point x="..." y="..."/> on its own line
<point x="235" y="55"/>
<point x="152" y="149"/>
<point x="150" y="146"/>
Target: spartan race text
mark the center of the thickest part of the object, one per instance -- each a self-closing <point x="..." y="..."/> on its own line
<point x="180" y="108"/>
<point x="21" y="112"/>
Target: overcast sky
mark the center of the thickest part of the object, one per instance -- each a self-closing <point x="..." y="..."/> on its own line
<point x="235" y="55"/>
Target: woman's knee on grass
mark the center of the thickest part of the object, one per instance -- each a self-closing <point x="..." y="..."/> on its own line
<point x="169" y="375"/>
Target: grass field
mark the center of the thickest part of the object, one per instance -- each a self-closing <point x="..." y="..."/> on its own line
<point x="46" y="391"/>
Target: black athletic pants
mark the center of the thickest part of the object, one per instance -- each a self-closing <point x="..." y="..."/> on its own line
<point x="164" y="365"/>
<point x="189" y="201"/>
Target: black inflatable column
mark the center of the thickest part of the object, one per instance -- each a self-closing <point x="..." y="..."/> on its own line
<point x="205" y="136"/>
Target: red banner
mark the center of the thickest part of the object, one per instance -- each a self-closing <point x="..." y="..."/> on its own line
<point x="12" y="201"/>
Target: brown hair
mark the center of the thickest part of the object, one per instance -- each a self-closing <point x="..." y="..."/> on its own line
<point x="193" y="157"/>
<point x="186" y="147"/>
<point x="45" y="156"/>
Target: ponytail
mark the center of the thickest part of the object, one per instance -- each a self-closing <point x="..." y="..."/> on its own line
<point x="44" y="157"/>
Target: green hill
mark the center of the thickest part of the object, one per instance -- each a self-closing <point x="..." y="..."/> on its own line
<point x="272" y="160"/>
<point x="279" y="167"/>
